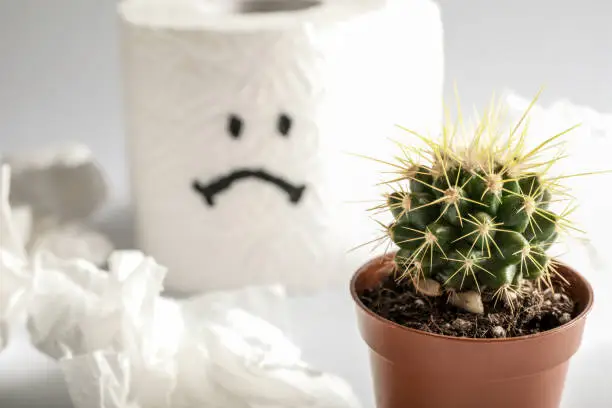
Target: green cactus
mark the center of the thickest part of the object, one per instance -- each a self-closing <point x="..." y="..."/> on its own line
<point x="475" y="216"/>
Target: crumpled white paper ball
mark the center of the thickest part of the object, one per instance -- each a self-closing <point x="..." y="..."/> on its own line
<point x="255" y="360"/>
<point x="588" y="148"/>
<point x="55" y="192"/>
<point x="76" y="308"/>
<point x="14" y="276"/>
<point x="224" y="357"/>
<point x="62" y="181"/>
<point x="74" y="241"/>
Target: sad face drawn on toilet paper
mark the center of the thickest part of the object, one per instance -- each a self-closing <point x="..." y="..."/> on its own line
<point x="243" y="132"/>
<point x="210" y="190"/>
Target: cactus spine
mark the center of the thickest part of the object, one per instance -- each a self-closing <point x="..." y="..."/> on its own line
<point x="473" y="215"/>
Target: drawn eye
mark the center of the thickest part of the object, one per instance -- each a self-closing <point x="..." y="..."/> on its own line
<point x="284" y="124"/>
<point x="234" y="126"/>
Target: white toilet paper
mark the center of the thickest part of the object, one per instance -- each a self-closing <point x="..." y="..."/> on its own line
<point x="241" y="119"/>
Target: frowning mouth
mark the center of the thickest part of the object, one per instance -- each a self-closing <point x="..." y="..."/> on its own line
<point x="211" y="190"/>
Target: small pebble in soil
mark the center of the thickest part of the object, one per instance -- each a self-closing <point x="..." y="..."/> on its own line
<point x="461" y="324"/>
<point x="565" y="318"/>
<point x="498" y="332"/>
<point x="495" y="318"/>
<point x="419" y="303"/>
<point x="510" y="299"/>
<point x="429" y="287"/>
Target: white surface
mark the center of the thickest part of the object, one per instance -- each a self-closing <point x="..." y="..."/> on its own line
<point x="330" y="342"/>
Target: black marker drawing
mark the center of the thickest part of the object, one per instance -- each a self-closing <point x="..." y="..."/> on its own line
<point x="284" y="124"/>
<point x="211" y="189"/>
<point x="215" y="187"/>
<point x="234" y="126"/>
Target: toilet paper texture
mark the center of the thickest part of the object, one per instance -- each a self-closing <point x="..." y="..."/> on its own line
<point x="246" y="131"/>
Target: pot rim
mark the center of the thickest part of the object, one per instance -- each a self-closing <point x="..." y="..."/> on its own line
<point x="527" y="337"/>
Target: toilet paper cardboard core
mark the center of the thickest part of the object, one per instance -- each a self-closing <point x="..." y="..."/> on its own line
<point x="266" y="6"/>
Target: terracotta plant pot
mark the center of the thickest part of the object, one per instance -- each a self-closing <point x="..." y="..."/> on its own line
<point x="415" y="369"/>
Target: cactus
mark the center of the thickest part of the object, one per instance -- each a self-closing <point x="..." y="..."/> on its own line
<point x="474" y="215"/>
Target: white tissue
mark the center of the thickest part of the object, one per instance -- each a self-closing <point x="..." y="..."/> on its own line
<point x="266" y="302"/>
<point x="102" y="376"/>
<point x="588" y="147"/>
<point x="52" y="193"/>
<point x="55" y="192"/>
<point x="226" y="358"/>
<point x="22" y="219"/>
<point x="75" y="308"/>
<point x="60" y="181"/>
<point x="14" y="276"/>
<point x="254" y="360"/>
<point x="74" y="241"/>
<point x="12" y="236"/>
<point x="122" y="345"/>
<point x="91" y="320"/>
<point x="108" y="380"/>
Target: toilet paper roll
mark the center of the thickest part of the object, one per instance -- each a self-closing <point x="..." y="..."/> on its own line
<point x="242" y="119"/>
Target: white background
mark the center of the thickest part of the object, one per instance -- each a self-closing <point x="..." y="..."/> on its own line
<point x="59" y="65"/>
<point x="59" y="81"/>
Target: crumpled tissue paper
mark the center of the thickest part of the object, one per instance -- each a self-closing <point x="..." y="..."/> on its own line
<point x="76" y="308"/>
<point x="133" y="348"/>
<point x="55" y="192"/>
<point x="74" y="241"/>
<point x="248" y="358"/>
<point x="120" y="344"/>
<point x="588" y="146"/>
<point x="237" y="361"/>
<point x="60" y="181"/>
<point x="14" y="277"/>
